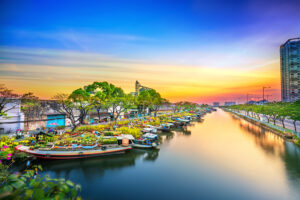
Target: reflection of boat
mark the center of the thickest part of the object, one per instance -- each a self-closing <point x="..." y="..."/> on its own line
<point x="148" y="141"/>
<point x="148" y="154"/>
<point x="72" y="154"/>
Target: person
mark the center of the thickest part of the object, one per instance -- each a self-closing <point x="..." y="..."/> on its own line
<point x="37" y="138"/>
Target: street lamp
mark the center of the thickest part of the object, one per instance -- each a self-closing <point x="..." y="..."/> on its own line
<point x="264" y="87"/>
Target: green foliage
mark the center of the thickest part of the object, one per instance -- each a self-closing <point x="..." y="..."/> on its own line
<point x="28" y="186"/>
<point x="277" y="110"/>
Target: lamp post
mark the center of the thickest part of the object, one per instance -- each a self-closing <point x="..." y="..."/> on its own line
<point x="264" y="87"/>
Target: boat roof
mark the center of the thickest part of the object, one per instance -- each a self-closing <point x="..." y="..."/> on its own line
<point x="150" y="135"/>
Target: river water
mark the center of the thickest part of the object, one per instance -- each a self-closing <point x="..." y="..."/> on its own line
<point x="223" y="157"/>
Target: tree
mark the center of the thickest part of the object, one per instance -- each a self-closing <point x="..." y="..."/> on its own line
<point x="177" y="106"/>
<point x="113" y="97"/>
<point x="143" y="101"/>
<point x="283" y="112"/>
<point x="31" y="107"/>
<point x="81" y="100"/>
<point x="294" y="113"/>
<point x="122" y="104"/>
<point x="8" y="100"/>
<point x="68" y="107"/>
<point x="99" y="96"/>
<point x="158" y="102"/>
<point x="150" y="99"/>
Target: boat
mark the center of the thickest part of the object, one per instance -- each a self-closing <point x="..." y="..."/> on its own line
<point x="148" y="141"/>
<point x="165" y="127"/>
<point x="180" y="121"/>
<point x="74" y="154"/>
<point x="189" y="118"/>
<point x="149" y="129"/>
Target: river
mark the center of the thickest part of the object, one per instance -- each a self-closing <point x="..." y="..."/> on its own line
<point x="223" y="157"/>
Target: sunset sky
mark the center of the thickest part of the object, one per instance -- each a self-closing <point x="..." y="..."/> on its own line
<point x="196" y="50"/>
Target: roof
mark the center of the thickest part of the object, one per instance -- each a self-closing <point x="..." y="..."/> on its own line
<point x="290" y="40"/>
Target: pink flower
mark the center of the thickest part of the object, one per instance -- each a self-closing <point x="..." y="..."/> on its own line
<point x="9" y="154"/>
<point x="8" y="158"/>
<point x="4" y="147"/>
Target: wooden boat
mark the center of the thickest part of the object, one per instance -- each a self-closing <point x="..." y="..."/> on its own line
<point x="149" y="129"/>
<point x="144" y="145"/>
<point x="72" y="154"/>
<point x="165" y="128"/>
<point x="148" y="141"/>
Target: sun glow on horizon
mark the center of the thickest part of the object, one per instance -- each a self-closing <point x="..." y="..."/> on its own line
<point x="66" y="71"/>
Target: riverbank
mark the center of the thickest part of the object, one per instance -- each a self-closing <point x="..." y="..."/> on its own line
<point x="286" y="134"/>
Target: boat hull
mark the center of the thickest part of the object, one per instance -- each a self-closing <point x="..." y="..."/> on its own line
<point x="144" y="146"/>
<point x="60" y="155"/>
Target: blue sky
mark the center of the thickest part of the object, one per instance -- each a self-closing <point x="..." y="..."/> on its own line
<point x="213" y="34"/>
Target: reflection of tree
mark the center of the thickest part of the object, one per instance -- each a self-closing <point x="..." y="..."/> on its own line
<point x="292" y="160"/>
<point x="275" y="145"/>
<point x="268" y="141"/>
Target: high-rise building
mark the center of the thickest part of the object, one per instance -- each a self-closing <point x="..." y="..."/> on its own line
<point x="290" y="70"/>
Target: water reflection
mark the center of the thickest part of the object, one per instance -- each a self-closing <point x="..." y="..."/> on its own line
<point x="268" y="141"/>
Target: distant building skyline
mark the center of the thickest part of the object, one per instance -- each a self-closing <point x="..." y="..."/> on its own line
<point x="290" y="70"/>
<point x="216" y="104"/>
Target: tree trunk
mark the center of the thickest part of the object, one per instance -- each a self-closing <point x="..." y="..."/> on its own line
<point x="98" y="114"/>
<point x="295" y="127"/>
<point x="74" y="127"/>
<point x="282" y="121"/>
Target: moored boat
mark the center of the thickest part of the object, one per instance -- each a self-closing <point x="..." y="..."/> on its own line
<point x="149" y="129"/>
<point x="148" y="141"/>
<point x="165" y="127"/>
<point x="73" y="154"/>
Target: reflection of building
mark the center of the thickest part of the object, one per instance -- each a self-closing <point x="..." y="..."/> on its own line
<point x="216" y="104"/>
<point x="139" y="88"/>
<point x="290" y="70"/>
<point x="229" y="103"/>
